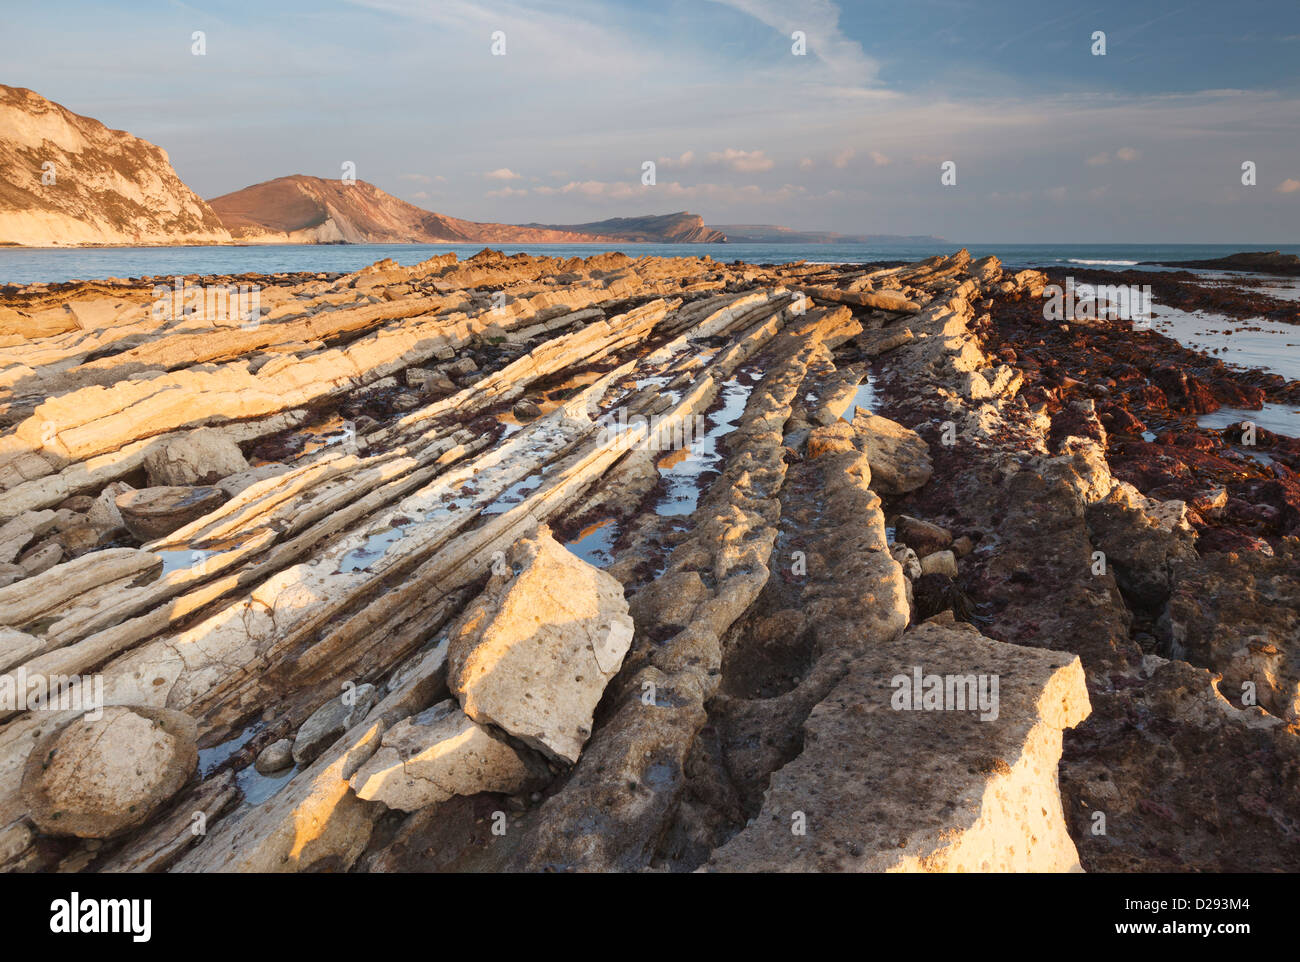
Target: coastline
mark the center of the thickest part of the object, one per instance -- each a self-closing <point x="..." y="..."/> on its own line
<point x="876" y="467"/>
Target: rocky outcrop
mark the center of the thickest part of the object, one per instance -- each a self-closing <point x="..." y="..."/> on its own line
<point x="632" y="562"/>
<point x="936" y="753"/>
<point x="73" y="181"/>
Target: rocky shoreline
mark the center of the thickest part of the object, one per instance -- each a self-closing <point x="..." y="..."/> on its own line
<point x="315" y="558"/>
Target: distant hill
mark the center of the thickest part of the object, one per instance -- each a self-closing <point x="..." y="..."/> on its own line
<point x="1266" y="262"/>
<point x="680" y="228"/>
<point x="311" y="210"/>
<point x="108" y="186"/>
<point x="773" y="234"/>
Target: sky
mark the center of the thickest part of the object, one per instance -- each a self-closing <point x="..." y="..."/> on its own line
<point x="1050" y="141"/>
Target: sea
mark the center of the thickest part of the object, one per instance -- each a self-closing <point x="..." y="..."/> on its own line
<point x="52" y="265"/>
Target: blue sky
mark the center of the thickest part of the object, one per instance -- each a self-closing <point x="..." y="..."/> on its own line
<point x="1050" y="142"/>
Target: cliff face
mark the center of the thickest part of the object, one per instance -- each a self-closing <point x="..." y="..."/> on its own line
<point x="312" y="210"/>
<point x="680" y="228"/>
<point x="109" y="187"/>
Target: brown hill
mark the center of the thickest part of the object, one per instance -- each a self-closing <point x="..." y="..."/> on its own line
<point x="680" y="228"/>
<point x="109" y="187"/>
<point x="311" y="210"/>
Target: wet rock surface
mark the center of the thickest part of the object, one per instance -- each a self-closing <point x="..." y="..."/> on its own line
<point x="636" y="562"/>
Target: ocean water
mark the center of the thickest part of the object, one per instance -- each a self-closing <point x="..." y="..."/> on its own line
<point x="28" y="265"/>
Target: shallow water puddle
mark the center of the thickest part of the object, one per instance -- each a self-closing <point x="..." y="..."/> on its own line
<point x="595" y="543"/>
<point x="1278" y="418"/>
<point x="1282" y="288"/>
<point x="681" y="469"/>
<point x="376" y="546"/>
<point x="210" y="758"/>
<point x="864" y="399"/>
<point x="182" y="560"/>
<point x="517" y="492"/>
<point x="1254" y="343"/>
<point x="310" y="439"/>
<point x="257" y="787"/>
<point x="194" y="557"/>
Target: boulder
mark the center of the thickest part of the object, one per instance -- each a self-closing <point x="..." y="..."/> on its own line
<point x="324" y="726"/>
<point x="526" y="410"/>
<point x="96" y="778"/>
<point x="899" y="457"/>
<point x="906" y="557"/>
<point x="436" y="754"/>
<point x="275" y="757"/>
<point x="940" y="563"/>
<point x="532" y="654"/>
<point x="921" y="536"/>
<point x="1142" y="540"/>
<point x="202" y="456"/>
<point x="151" y="513"/>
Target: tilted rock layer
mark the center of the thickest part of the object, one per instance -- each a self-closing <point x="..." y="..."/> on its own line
<point x="651" y="564"/>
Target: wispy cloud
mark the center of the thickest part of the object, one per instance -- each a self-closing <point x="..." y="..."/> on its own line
<point x="819" y="20"/>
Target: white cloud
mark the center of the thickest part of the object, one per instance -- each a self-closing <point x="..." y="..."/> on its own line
<point x="501" y="173"/>
<point x="1097" y="160"/>
<point x="742" y="161"/>
<point x="507" y="192"/>
<point x="1288" y="186"/>
<point x="840" y="159"/>
<point x="1127" y="154"/>
<point x="879" y="159"/>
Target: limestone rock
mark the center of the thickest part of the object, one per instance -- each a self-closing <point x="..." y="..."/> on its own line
<point x="202" y="456"/>
<point x="236" y="483"/>
<point x="899" y="457"/>
<point x="331" y="720"/>
<point x="977" y="792"/>
<point x="151" y="513"/>
<point x="830" y="439"/>
<point x="275" y="757"/>
<point x="97" y="778"/>
<point x="16" y="647"/>
<point x="104" y="515"/>
<point x="906" y="557"/>
<point x="921" y="536"/>
<point x="436" y="754"/>
<point x="1240" y="615"/>
<point x="533" y="653"/>
<point x="940" y="563"/>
